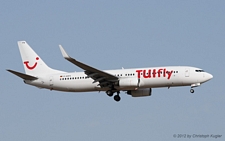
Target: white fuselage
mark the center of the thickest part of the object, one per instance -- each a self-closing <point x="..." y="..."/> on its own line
<point x="145" y="77"/>
<point x="136" y="82"/>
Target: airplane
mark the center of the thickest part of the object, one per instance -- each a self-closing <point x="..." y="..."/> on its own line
<point x="137" y="82"/>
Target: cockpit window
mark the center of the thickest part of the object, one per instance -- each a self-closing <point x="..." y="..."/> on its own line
<point x="199" y="70"/>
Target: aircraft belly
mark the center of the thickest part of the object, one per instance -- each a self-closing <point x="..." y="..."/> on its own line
<point x="160" y="82"/>
<point x="151" y="83"/>
<point x="75" y="86"/>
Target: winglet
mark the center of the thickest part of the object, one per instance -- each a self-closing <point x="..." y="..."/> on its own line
<point x="90" y="71"/>
<point x="65" y="55"/>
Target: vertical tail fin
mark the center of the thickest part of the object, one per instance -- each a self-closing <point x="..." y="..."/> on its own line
<point x="33" y="64"/>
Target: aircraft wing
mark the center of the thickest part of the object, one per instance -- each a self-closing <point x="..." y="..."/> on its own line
<point x="105" y="79"/>
<point x="23" y="76"/>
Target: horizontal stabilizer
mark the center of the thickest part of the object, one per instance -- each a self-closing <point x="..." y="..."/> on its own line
<point x="23" y="76"/>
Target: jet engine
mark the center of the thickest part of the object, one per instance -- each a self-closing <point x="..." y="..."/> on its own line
<point x="140" y="92"/>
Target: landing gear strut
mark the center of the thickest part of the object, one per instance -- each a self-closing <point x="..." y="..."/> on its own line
<point x="192" y="91"/>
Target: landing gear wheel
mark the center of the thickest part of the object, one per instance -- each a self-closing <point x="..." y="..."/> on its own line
<point x="109" y="93"/>
<point x="192" y="91"/>
<point x="117" y="98"/>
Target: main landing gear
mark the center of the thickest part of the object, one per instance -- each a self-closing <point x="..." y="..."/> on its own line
<point x="116" y="97"/>
<point x="109" y="93"/>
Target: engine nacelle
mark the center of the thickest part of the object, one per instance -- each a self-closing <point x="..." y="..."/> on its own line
<point x="140" y="92"/>
<point x="128" y="83"/>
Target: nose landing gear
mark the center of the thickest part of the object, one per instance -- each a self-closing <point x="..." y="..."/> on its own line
<point x="194" y="85"/>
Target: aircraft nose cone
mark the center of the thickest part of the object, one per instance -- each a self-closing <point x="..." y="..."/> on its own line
<point x="209" y="76"/>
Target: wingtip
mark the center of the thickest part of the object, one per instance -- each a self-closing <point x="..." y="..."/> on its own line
<point x="64" y="54"/>
<point x="8" y="70"/>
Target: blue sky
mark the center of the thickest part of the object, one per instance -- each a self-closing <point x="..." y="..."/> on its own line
<point x="111" y="35"/>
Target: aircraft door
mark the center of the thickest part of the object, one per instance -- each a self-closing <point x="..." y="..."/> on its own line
<point x="187" y="72"/>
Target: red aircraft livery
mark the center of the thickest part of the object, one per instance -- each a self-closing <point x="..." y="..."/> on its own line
<point x="153" y="73"/>
<point x="31" y="67"/>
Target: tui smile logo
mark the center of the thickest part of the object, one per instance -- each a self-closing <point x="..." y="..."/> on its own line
<point x="31" y="67"/>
